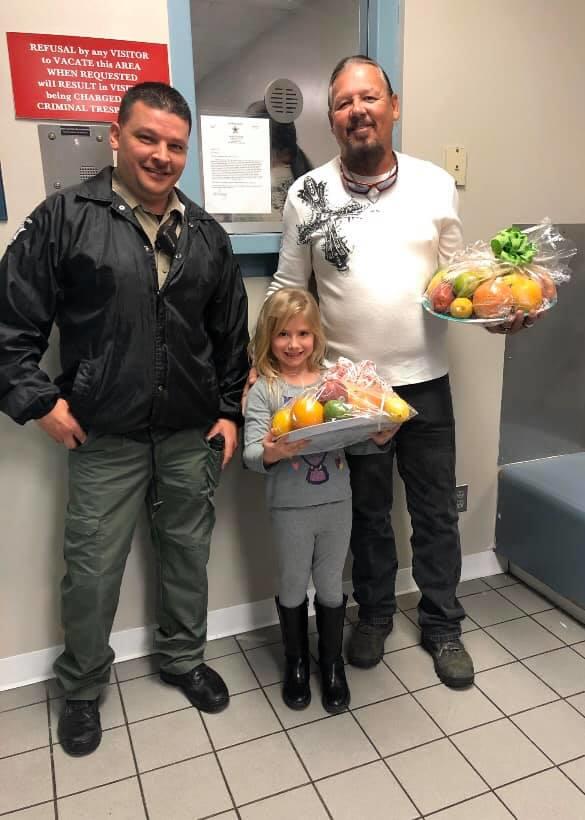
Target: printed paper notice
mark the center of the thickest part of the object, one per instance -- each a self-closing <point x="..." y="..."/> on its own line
<point x="236" y="164"/>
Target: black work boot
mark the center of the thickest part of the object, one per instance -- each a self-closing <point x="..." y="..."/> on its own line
<point x="203" y="686"/>
<point x="294" y="625"/>
<point x="79" y="729"/>
<point x="366" y="644"/>
<point x="453" y="663"/>
<point x="335" y="692"/>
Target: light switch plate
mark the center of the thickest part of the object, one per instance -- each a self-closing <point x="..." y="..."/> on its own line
<point x="456" y="163"/>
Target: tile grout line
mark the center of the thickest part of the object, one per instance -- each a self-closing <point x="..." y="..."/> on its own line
<point x="447" y="737"/>
<point x="285" y="730"/>
<point x="258" y="800"/>
<point x="509" y="719"/>
<point x="515" y="659"/>
<point x="569" y="778"/>
<point x="529" y="657"/>
<point x="365" y="733"/>
<point x="433" y="814"/>
<point x="536" y="654"/>
<point x="505" y="717"/>
<point x="155" y="672"/>
<point x="220" y="767"/>
<point x="412" y="693"/>
<point x="51" y="757"/>
<point x="520" y="711"/>
<point x="129" y="733"/>
<point x="382" y="759"/>
<point x="26" y="808"/>
<point x="22" y="705"/>
<point x="212" y="747"/>
<point x="525" y="711"/>
<point x="88" y="789"/>
<point x="431" y="686"/>
<point x="531" y="615"/>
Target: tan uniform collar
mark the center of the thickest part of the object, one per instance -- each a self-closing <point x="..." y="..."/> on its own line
<point x="173" y="203"/>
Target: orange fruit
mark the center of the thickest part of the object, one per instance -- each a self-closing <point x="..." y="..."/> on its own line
<point x="397" y="408"/>
<point x="461" y="308"/>
<point x="549" y="289"/>
<point x="493" y="299"/>
<point x="305" y="411"/>
<point x="527" y="293"/>
<point x="281" y="422"/>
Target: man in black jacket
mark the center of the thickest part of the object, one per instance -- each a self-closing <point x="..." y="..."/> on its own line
<point x="153" y="331"/>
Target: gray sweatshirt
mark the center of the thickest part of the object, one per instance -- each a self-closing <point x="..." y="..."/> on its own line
<point x="303" y="481"/>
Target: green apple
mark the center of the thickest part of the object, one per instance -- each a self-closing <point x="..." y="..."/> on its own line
<point x="336" y="409"/>
<point x="466" y="282"/>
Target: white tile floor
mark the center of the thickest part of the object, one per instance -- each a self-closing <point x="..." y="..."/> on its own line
<point x="511" y="746"/>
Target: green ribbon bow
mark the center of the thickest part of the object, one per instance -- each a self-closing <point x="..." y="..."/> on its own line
<point x="511" y="245"/>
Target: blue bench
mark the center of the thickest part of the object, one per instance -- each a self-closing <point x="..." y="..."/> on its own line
<point x="540" y="526"/>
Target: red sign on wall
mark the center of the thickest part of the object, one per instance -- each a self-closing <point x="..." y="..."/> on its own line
<point x="78" y="78"/>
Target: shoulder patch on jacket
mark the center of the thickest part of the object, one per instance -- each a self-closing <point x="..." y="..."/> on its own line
<point x="21" y="228"/>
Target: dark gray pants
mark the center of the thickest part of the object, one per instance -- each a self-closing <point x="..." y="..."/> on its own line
<point x="425" y="452"/>
<point x="110" y="478"/>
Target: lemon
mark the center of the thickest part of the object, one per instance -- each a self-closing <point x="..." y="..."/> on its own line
<point x="397" y="409"/>
<point x="461" y="308"/>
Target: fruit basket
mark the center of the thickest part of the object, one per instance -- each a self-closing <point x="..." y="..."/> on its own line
<point x="487" y="284"/>
<point x="349" y="404"/>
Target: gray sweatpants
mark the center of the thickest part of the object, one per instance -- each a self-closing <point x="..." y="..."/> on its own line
<point x="312" y="540"/>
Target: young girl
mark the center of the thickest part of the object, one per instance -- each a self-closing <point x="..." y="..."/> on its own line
<point x="309" y="497"/>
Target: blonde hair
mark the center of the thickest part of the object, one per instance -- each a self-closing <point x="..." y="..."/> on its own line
<point x="276" y="313"/>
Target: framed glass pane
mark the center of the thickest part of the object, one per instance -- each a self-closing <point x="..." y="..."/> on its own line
<point x="241" y="46"/>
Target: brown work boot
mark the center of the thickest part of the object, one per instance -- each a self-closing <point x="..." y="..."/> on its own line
<point x="366" y="644"/>
<point x="453" y="663"/>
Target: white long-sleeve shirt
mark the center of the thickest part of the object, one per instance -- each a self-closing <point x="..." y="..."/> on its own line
<point x="372" y="261"/>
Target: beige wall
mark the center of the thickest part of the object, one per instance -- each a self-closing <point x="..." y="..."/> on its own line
<point x="32" y="469"/>
<point x="503" y="79"/>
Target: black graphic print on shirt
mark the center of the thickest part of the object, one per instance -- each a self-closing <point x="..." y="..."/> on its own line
<point x="326" y="220"/>
<point x="317" y="472"/>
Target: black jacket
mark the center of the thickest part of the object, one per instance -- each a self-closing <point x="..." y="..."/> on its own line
<point x="132" y="356"/>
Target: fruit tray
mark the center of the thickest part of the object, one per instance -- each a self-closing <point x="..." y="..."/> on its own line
<point x="475" y="320"/>
<point x="340" y="433"/>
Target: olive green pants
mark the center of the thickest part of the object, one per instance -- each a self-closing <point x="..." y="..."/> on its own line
<point x="110" y="477"/>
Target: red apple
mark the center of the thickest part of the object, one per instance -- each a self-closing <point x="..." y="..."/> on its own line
<point x="332" y="390"/>
<point x="441" y="297"/>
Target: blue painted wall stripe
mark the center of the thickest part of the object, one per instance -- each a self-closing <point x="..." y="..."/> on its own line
<point x="385" y="45"/>
<point x="183" y="78"/>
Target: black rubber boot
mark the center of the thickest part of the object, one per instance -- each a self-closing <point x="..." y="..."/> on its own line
<point x="294" y="625"/>
<point x="335" y="692"/>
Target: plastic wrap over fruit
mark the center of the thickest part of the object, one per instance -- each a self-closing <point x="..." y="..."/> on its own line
<point x="346" y="391"/>
<point x="516" y="270"/>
